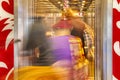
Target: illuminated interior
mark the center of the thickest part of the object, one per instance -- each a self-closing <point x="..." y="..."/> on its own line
<point x="51" y="11"/>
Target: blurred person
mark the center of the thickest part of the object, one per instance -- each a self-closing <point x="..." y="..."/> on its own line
<point x="38" y="41"/>
<point x="61" y="48"/>
<point x="86" y="33"/>
<point x="68" y="51"/>
<point x="44" y="66"/>
<point x="82" y="30"/>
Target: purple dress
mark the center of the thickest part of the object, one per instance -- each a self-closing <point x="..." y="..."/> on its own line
<point x="61" y="48"/>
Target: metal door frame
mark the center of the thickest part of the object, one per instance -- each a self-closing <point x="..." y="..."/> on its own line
<point x="103" y="33"/>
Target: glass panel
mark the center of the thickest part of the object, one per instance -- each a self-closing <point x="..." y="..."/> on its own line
<point x="55" y="40"/>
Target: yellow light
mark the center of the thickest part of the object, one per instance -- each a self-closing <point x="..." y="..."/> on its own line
<point x="82" y="6"/>
<point x="59" y="2"/>
<point x="83" y="1"/>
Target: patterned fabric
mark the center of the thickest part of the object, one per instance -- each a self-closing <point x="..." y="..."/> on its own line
<point x="88" y="45"/>
<point x="115" y="40"/>
<point x="6" y="39"/>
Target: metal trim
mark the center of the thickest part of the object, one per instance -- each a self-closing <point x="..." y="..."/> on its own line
<point x="103" y="27"/>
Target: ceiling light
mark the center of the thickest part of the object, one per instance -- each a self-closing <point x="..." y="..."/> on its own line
<point x="59" y="2"/>
<point x="83" y="4"/>
<point x="83" y="1"/>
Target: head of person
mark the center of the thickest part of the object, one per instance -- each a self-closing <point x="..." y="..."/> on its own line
<point x="62" y="28"/>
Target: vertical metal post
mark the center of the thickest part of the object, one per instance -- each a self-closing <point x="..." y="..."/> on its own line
<point x="103" y="27"/>
<point x="15" y="36"/>
<point x="107" y="40"/>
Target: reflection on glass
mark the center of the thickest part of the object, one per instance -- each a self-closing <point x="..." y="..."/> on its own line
<point x="57" y="41"/>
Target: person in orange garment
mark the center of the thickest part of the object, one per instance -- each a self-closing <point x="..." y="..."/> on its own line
<point x="82" y="30"/>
